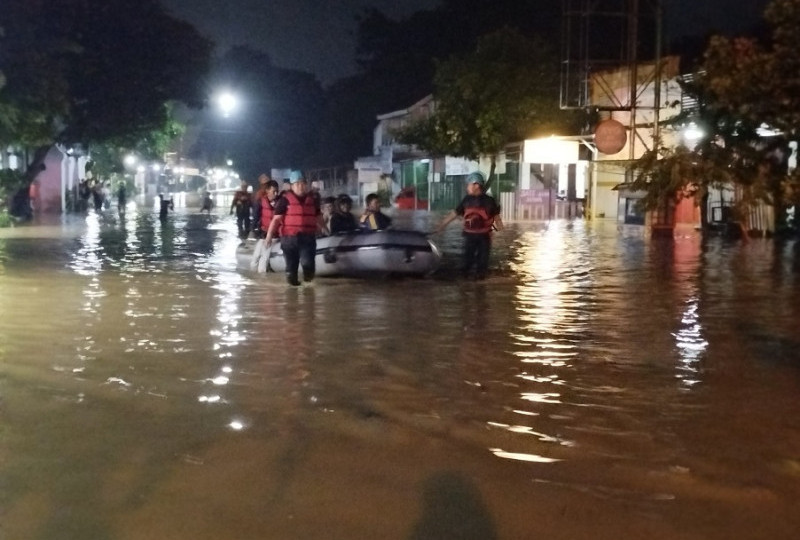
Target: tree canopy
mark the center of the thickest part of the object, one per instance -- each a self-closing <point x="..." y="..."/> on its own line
<point x="744" y="86"/>
<point x="504" y="91"/>
<point x="397" y="61"/>
<point x="92" y="71"/>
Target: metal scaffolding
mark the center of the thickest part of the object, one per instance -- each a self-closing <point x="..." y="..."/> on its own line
<point x="600" y="37"/>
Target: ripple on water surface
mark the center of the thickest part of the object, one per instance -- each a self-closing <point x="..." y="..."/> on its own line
<point x="594" y="373"/>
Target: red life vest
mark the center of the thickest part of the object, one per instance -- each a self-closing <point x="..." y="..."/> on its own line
<point x="301" y="216"/>
<point x="267" y="213"/>
<point x="477" y="220"/>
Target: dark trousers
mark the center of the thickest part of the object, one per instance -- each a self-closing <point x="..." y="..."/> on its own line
<point x="476" y="252"/>
<point x="243" y="223"/>
<point x="299" y="251"/>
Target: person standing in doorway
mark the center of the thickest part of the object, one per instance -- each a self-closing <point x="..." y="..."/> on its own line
<point x="298" y="217"/>
<point x="481" y="215"/>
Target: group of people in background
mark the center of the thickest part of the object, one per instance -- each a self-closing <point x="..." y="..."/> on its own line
<point x="92" y="193"/>
<point x="298" y="215"/>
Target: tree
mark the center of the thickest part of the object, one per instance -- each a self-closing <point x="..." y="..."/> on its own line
<point x="7" y="112"/>
<point x="402" y="54"/>
<point x="108" y="156"/>
<point x="31" y="105"/>
<point x="91" y="71"/>
<point x="759" y="83"/>
<point x="397" y="61"/>
<point x="503" y="92"/>
<point x="11" y="182"/>
<point x="743" y="85"/>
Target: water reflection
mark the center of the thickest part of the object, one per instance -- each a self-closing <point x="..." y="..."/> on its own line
<point x="226" y="337"/>
<point x="553" y="300"/>
<point x="88" y="259"/>
<point x="690" y="342"/>
<point x="147" y="383"/>
<point x="678" y="262"/>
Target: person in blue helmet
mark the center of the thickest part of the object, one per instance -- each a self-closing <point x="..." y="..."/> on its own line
<point x="298" y="218"/>
<point x="481" y="215"/>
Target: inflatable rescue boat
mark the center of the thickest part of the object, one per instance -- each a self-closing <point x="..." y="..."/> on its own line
<point x="387" y="252"/>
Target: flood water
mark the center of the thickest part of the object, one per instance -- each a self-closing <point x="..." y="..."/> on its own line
<point x="599" y="385"/>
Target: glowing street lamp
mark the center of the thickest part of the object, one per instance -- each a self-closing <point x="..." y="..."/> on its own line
<point x="692" y="135"/>
<point x="227" y="103"/>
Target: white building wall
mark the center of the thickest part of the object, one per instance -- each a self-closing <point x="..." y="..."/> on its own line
<point x="610" y="169"/>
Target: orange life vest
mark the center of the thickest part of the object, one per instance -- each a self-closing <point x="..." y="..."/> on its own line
<point x="267" y="213"/>
<point x="477" y="220"/>
<point x="301" y="216"/>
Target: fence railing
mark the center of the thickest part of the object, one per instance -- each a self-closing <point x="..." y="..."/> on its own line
<point x="540" y="206"/>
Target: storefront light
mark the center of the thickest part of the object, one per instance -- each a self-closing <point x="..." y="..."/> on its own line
<point x="550" y="150"/>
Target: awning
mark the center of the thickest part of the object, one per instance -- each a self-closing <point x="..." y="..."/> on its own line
<point x="626" y="192"/>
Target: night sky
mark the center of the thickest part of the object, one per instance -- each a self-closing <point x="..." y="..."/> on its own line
<point x="317" y="35"/>
<point x="691" y="17"/>
<point x="310" y="35"/>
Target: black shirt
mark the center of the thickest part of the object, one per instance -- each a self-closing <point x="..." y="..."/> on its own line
<point x="343" y="222"/>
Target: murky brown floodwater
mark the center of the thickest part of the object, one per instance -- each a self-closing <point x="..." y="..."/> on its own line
<point x="600" y="386"/>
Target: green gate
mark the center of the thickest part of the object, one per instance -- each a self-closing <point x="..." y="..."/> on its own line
<point x="446" y="195"/>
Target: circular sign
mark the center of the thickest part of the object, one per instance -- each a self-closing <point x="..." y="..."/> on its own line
<point x="610" y="136"/>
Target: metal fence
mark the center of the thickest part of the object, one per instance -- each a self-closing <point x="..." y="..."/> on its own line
<point x="520" y="206"/>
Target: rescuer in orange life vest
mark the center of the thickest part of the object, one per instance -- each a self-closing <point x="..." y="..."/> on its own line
<point x="481" y="214"/>
<point x="264" y="204"/>
<point x="298" y="216"/>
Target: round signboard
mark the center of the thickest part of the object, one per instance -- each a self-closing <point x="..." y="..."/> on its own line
<point x="610" y="136"/>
